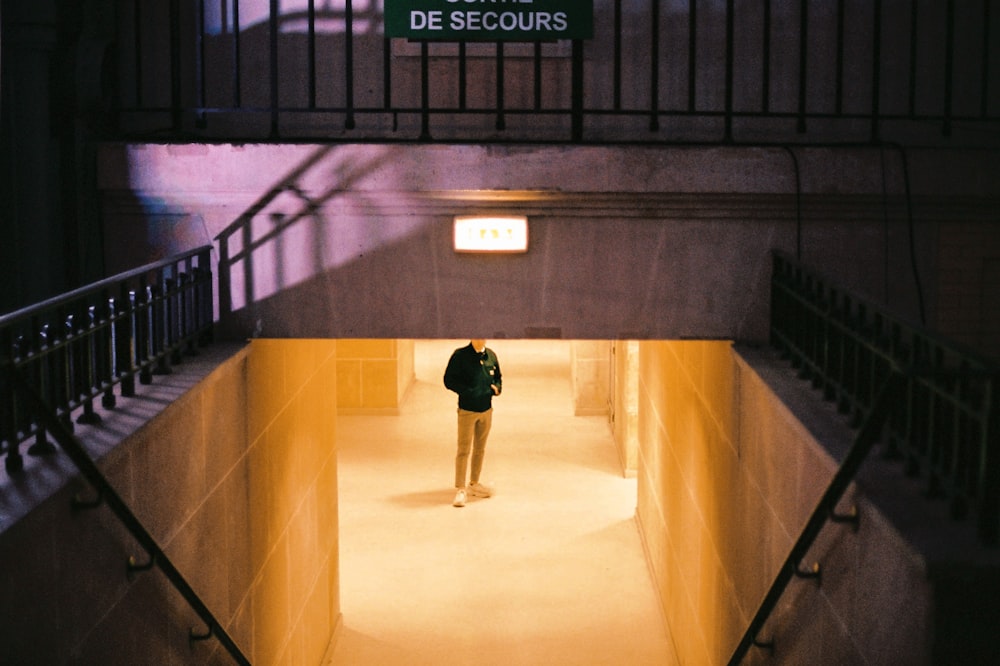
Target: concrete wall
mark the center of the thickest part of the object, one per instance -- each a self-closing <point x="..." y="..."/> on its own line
<point x="355" y="241"/>
<point x="625" y="403"/>
<point x="727" y="477"/>
<point x="590" y="376"/>
<point x="969" y="276"/>
<point x="236" y="479"/>
<point x="373" y="375"/>
<point x="294" y="598"/>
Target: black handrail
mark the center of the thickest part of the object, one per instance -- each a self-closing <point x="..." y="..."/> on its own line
<point x="933" y="402"/>
<point x="80" y="345"/>
<point x="825" y="509"/>
<point x="946" y="425"/>
<point x="47" y="418"/>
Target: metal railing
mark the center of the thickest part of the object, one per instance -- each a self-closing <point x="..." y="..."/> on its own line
<point x="46" y="417"/>
<point x="709" y="72"/>
<point x="824" y="512"/>
<point x="57" y="357"/>
<point x="78" y="347"/>
<point x="933" y="404"/>
<point x="945" y="425"/>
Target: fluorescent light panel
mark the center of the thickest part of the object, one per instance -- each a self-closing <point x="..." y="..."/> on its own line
<point x="491" y="233"/>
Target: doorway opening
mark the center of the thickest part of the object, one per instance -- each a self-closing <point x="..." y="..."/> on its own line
<point x="551" y="569"/>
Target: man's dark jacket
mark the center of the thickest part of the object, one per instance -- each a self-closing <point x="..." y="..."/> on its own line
<point x="470" y="374"/>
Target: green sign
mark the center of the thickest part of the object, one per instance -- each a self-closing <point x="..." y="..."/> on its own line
<point x="492" y="20"/>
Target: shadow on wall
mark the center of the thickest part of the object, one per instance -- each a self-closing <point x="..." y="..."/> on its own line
<point x="357" y="242"/>
<point x="285" y="237"/>
<point x="353" y="262"/>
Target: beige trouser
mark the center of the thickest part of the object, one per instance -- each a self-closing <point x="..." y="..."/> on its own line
<point x="473" y="429"/>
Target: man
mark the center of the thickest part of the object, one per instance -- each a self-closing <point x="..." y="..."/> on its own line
<point x="473" y="373"/>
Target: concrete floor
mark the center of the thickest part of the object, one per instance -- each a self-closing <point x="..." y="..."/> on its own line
<point x="548" y="571"/>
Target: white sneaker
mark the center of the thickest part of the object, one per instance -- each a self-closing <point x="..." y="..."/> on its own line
<point x="459" y="498"/>
<point x="480" y="490"/>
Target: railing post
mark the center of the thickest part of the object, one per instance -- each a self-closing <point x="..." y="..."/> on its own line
<point x="989" y="505"/>
<point x="576" y="91"/>
<point x="88" y="343"/>
<point x="8" y="405"/>
<point x="42" y="445"/>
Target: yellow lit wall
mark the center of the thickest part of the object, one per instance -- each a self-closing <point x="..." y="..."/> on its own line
<point x="236" y="480"/>
<point x="728" y="475"/>
<point x="373" y="375"/>
<point x="687" y="470"/>
<point x="293" y="605"/>
<point x="589" y="360"/>
<point x="625" y="401"/>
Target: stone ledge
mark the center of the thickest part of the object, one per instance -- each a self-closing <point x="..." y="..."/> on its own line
<point x="924" y="524"/>
<point x="43" y="476"/>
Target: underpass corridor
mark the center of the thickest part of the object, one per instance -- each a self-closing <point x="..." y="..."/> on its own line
<point x="549" y="570"/>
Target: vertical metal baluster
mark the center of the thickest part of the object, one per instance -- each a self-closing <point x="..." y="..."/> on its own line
<point x="160" y="323"/>
<point x="200" y="73"/>
<point x="176" y="104"/>
<point x="692" y="104"/>
<point x="850" y="364"/>
<point x="914" y="24"/>
<point x="949" y="68"/>
<point x="501" y="122"/>
<point x="616" y="76"/>
<point x="177" y="333"/>
<point x="237" y="92"/>
<point x="108" y="364"/>
<point x="730" y="64"/>
<point x="130" y="346"/>
<point x="765" y="84"/>
<point x="538" y="76"/>
<point x="8" y="404"/>
<point x="654" y="67"/>
<point x="206" y="305"/>
<point x="145" y="329"/>
<point x="803" y="64"/>
<point x="463" y="76"/>
<point x="272" y="22"/>
<point x="62" y="384"/>
<point x="71" y="362"/>
<point x="349" y="63"/>
<point x="311" y="52"/>
<point x="137" y="50"/>
<point x="91" y="378"/>
<point x="576" y="93"/>
<point x="839" y="67"/>
<point x="989" y="465"/>
<point x="42" y="445"/>
<point x="936" y="445"/>
<point x="387" y="80"/>
<point x="960" y="435"/>
<point x="184" y="310"/>
<point x="876" y="93"/>
<point x="425" y="125"/>
<point x="984" y="92"/>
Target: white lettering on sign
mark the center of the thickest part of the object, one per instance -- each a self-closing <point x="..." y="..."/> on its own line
<point x="513" y="20"/>
<point x="508" y="21"/>
<point x="425" y="20"/>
